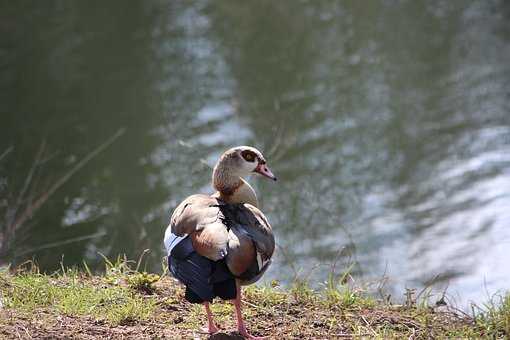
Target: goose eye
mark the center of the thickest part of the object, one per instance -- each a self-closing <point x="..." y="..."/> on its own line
<point x="248" y="156"/>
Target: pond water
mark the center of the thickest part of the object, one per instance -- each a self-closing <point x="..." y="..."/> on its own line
<point x="386" y="122"/>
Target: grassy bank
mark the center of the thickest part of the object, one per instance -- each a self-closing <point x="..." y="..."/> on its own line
<point x="125" y="303"/>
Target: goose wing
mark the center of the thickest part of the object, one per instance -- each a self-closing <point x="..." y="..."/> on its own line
<point x="200" y="217"/>
<point x="250" y="241"/>
<point x="240" y="233"/>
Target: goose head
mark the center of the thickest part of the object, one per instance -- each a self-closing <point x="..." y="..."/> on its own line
<point x="234" y="165"/>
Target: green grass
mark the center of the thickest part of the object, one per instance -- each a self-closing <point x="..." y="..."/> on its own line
<point x="73" y="294"/>
<point x="126" y="296"/>
<point x="493" y="317"/>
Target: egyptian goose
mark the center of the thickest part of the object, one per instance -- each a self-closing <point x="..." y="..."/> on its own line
<point x="219" y="242"/>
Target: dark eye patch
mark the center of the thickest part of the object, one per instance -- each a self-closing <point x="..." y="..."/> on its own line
<point x="248" y="155"/>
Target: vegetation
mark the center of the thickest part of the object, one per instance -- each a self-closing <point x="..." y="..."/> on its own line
<point x="124" y="302"/>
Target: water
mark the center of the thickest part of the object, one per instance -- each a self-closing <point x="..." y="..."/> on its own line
<point x="387" y="123"/>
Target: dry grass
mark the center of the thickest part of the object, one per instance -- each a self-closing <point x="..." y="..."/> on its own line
<point x="123" y="303"/>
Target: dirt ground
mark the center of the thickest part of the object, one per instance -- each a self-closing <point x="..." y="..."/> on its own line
<point x="286" y="318"/>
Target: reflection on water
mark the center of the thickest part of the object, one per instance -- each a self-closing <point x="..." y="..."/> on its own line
<point x="388" y="123"/>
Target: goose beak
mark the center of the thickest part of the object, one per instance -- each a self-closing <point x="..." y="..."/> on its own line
<point x="264" y="171"/>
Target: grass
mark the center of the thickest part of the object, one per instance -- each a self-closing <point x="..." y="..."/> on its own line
<point x="72" y="293"/>
<point x="494" y="316"/>
<point x="126" y="303"/>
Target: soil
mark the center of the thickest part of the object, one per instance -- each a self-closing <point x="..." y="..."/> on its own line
<point x="178" y="319"/>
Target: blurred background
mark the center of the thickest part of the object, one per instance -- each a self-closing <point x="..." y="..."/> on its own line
<point x="386" y="122"/>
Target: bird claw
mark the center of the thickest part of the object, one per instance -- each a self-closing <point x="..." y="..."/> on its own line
<point x="210" y="329"/>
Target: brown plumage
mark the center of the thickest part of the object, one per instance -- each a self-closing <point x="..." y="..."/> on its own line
<point x="237" y="232"/>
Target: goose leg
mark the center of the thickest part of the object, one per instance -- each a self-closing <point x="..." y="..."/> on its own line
<point x="241" y="327"/>
<point x="211" y="326"/>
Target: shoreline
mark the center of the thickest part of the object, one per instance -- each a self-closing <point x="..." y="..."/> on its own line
<point x="125" y="303"/>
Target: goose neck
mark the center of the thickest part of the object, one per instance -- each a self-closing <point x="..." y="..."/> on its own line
<point x="232" y="188"/>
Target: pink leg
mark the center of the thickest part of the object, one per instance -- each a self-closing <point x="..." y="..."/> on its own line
<point x="211" y="326"/>
<point x="241" y="328"/>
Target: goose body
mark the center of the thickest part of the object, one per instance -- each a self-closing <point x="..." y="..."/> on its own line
<point x="237" y="234"/>
<point x="215" y="243"/>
